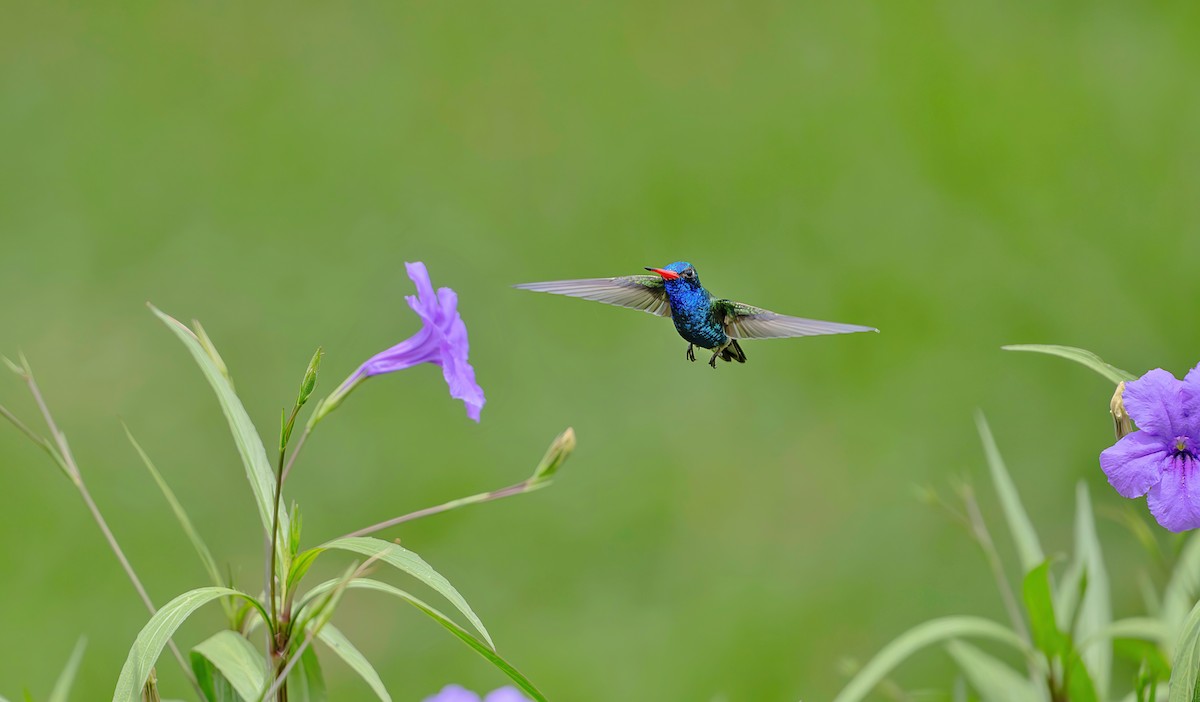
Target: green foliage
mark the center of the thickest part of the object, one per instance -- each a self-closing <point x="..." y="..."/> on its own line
<point x="402" y="559"/>
<point x="249" y="445"/>
<point x="229" y="656"/>
<point x="307" y="681"/>
<point x="340" y="645"/>
<point x="155" y="634"/>
<point x="993" y="679"/>
<point x="1071" y="633"/>
<point x="1185" y="668"/>
<point x="1080" y="356"/>
<point x="1019" y="526"/>
<point x="62" y="687"/>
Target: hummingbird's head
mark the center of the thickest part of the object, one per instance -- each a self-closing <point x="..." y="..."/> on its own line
<point x="681" y="271"/>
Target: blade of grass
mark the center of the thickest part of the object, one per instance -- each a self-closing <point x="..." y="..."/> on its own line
<point x="1185" y="665"/>
<point x="206" y="557"/>
<point x="155" y="634"/>
<point x="254" y="456"/>
<point x="1081" y="356"/>
<point x="238" y="660"/>
<point x="1029" y="550"/>
<point x="62" y="687"/>
<point x="409" y="562"/>
<point x="453" y="627"/>
<point x="992" y="679"/>
<point x="919" y="637"/>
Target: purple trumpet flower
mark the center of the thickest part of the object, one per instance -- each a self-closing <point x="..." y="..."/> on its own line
<point x="441" y="341"/>
<point x="1160" y="459"/>
<point x="457" y="693"/>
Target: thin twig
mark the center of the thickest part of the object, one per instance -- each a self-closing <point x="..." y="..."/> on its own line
<point x="72" y="468"/>
<point x="295" y="452"/>
<point x="519" y="488"/>
<point x="980" y="531"/>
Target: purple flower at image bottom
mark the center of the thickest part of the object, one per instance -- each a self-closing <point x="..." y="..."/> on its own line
<point x="457" y="693"/>
<point x="442" y="341"/>
<point x="1160" y="459"/>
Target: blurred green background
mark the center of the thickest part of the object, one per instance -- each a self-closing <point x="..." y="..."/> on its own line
<point x="961" y="174"/>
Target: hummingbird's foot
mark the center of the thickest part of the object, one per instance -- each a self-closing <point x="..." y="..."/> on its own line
<point x="713" y="361"/>
<point x="691" y="355"/>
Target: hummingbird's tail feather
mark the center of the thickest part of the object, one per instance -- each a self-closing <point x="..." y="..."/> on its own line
<point x="733" y="352"/>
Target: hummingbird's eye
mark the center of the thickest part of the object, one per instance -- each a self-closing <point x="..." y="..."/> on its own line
<point x="689" y="273"/>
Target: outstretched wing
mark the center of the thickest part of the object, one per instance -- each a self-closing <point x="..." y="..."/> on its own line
<point x="638" y="292"/>
<point x="742" y="321"/>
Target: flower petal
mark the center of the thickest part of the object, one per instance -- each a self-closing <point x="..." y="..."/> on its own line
<point x="505" y="694"/>
<point x="1175" y="501"/>
<point x="1159" y="404"/>
<point x="425" y="298"/>
<point x="1135" y="463"/>
<point x="453" y="693"/>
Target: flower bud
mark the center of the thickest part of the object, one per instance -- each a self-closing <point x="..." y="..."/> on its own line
<point x="1122" y="424"/>
<point x="556" y="455"/>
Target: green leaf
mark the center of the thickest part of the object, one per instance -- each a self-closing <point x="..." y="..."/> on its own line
<point x="181" y="515"/>
<point x="62" y="687"/>
<point x="1140" y="628"/>
<point x="1186" y="663"/>
<point x="339" y="644"/>
<point x="450" y="625"/>
<point x="239" y="661"/>
<point x="215" y="686"/>
<point x="919" y="637"/>
<point x="306" y="682"/>
<point x="1029" y="550"/>
<point x="1182" y="589"/>
<point x="249" y="445"/>
<point x="992" y="679"/>
<point x="310" y="378"/>
<point x="409" y="562"/>
<point x="1039" y="604"/>
<point x="154" y="636"/>
<point x="1080" y="356"/>
<point x="300" y="566"/>
<point x="1095" y="611"/>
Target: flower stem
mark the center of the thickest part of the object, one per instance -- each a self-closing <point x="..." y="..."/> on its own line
<point x="72" y="469"/>
<point x="275" y="645"/>
<point x="520" y="488"/>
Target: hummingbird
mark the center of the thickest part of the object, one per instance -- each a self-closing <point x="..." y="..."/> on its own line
<point x="700" y="318"/>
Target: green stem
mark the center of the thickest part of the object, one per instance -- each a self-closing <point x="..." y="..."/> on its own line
<point x="72" y="469"/>
<point x="520" y="488"/>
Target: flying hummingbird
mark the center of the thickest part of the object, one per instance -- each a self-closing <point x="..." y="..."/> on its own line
<point x="701" y="319"/>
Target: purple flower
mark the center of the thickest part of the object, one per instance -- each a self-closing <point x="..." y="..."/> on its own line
<point x="441" y="341"/>
<point x="456" y="693"/>
<point x="1160" y="459"/>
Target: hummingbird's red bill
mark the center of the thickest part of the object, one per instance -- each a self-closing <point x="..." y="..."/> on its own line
<point x="666" y="274"/>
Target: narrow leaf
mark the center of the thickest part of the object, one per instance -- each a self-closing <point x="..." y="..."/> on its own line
<point x="1029" y="550"/>
<point x="339" y="644"/>
<point x="181" y="515"/>
<point x="154" y="636"/>
<point x="62" y="687"/>
<point x="1039" y="604"/>
<point x="1095" y="611"/>
<point x="1186" y="663"/>
<point x="1080" y="356"/>
<point x="453" y="627"/>
<point x="992" y="679"/>
<point x="249" y="445"/>
<point x="409" y="562"/>
<point x="214" y="686"/>
<point x="919" y="637"/>
<point x="240" y="661"/>
<point x="307" y="682"/>
<point x="1182" y="589"/>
